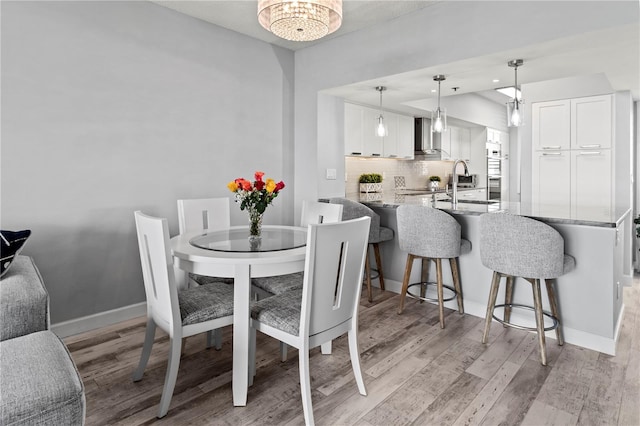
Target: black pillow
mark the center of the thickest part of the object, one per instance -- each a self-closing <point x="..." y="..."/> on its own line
<point x="12" y="243"/>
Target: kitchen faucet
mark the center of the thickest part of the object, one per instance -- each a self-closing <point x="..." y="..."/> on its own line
<point x="454" y="182"/>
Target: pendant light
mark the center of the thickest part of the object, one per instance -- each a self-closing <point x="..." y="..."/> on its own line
<point x="381" y="128"/>
<point x="515" y="106"/>
<point x="439" y="116"/>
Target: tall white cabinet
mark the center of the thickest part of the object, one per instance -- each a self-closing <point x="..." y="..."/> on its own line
<point x="572" y="140"/>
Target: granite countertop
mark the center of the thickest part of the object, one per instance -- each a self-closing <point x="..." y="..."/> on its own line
<point x="393" y="200"/>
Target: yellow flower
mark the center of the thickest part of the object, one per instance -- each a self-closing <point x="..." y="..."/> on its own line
<point x="233" y="186"/>
<point x="270" y="185"/>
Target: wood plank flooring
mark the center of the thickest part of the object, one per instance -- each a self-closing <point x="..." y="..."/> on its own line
<point x="415" y="373"/>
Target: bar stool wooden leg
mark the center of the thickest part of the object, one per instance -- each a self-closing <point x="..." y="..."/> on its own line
<point x="493" y="294"/>
<point x="554" y="310"/>
<point x="367" y="270"/>
<point x="405" y="282"/>
<point x="508" y="299"/>
<point x="424" y="278"/>
<point x="376" y="252"/>
<point x="456" y="283"/>
<point x="440" y="291"/>
<point x="537" y="302"/>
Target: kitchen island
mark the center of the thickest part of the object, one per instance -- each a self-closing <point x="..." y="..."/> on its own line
<point x="590" y="297"/>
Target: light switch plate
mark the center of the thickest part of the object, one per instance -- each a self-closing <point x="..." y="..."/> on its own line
<point x="331" y="174"/>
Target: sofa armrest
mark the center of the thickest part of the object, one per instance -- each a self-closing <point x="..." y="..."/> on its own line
<point x="24" y="301"/>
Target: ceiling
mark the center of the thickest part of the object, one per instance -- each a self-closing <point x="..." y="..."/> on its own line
<point x="614" y="52"/>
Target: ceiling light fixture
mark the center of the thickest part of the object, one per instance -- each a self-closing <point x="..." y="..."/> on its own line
<point x="515" y="106"/>
<point x="439" y="116"/>
<point x="381" y="128"/>
<point x="300" y="20"/>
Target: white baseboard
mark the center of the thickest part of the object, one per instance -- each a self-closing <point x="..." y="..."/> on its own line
<point x="102" y="319"/>
<point x="575" y="337"/>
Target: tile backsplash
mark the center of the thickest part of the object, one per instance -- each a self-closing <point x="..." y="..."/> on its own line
<point x="415" y="172"/>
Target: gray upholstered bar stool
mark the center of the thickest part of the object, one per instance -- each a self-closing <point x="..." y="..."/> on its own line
<point x="377" y="234"/>
<point x="515" y="246"/>
<point x="429" y="234"/>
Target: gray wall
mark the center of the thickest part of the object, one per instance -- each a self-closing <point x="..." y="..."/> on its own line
<point x="111" y="107"/>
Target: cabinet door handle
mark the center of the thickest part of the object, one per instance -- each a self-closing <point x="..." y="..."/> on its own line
<point x="595" y="145"/>
<point x="590" y="153"/>
<point x="356" y="153"/>
<point x="552" y="147"/>
<point x="551" y="153"/>
<point x="392" y="156"/>
<point x="373" y="154"/>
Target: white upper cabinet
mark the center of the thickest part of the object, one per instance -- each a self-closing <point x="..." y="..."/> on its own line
<point x="551" y="192"/>
<point x="550" y="126"/>
<point x="591" y="120"/>
<point x="361" y="139"/>
<point x="460" y="143"/>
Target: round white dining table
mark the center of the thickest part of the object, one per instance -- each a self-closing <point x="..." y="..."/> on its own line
<point x="229" y="254"/>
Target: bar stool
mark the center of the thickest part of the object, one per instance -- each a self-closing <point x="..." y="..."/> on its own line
<point x="377" y="234"/>
<point x="515" y="246"/>
<point x="430" y="234"/>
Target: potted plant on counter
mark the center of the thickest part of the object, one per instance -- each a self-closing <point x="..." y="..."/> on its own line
<point x="370" y="182"/>
<point x="435" y="182"/>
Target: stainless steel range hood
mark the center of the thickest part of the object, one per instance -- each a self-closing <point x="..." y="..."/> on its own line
<point x="426" y="147"/>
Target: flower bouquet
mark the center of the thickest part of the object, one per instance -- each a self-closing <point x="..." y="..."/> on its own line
<point x="255" y="197"/>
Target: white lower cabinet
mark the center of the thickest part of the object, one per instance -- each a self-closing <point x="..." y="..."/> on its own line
<point x="591" y="191"/>
<point x="551" y="190"/>
<point x="473" y="194"/>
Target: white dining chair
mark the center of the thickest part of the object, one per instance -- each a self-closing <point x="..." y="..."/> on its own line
<point x="313" y="212"/>
<point x="179" y="313"/>
<point x="212" y="214"/>
<point x="327" y="305"/>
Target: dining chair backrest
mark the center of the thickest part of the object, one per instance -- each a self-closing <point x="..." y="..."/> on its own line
<point x="157" y="270"/>
<point x="334" y="268"/>
<point x="203" y="213"/>
<point x="314" y="212"/>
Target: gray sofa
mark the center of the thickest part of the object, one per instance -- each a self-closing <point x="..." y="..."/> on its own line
<point x="39" y="383"/>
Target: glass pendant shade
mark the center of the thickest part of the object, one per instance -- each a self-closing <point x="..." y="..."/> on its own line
<point x="381" y="128"/>
<point x="439" y="120"/>
<point x="515" y="106"/>
<point x="439" y="116"/>
<point x="300" y="20"/>
<point x="515" y="113"/>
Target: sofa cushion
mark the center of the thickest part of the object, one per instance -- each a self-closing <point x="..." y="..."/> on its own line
<point x="24" y="302"/>
<point x="11" y="243"/>
<point x="40" y="382"/>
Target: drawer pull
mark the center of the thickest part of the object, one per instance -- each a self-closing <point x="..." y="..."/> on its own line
<point x="375" y="155"/>
<point x="551" y="153"/>
<point x="356" y="153"/>
<point x="552" y="147"/>
<point x="595" y="145"/>
<point x="590" y="153"/>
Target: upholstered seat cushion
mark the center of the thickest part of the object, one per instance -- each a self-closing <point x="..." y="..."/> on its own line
<point x="281" y="311"/>
<point x="40" y="382"/>
<point x="204" y="280"/>
<point x="386" y="234"/>
<point x="206" y="302"/>
<point x="279" y="284"/>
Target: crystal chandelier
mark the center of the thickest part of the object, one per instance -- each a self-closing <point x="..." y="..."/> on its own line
<point x="299" y="20"/>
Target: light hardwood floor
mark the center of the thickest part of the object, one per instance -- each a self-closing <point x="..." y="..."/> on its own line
<point x="415" y="373"/>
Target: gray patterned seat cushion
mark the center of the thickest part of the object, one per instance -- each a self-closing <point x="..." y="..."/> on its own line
<point x="280" y="284"/>
<point x="281" y="311"/>
<point x="40" y="382"/>
<point x="204" y="280"/>
<point x="204" y="303"/>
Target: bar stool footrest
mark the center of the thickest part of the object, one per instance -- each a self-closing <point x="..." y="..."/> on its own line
<point x="427" y="299"/>
<point x="521" y="327"/>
